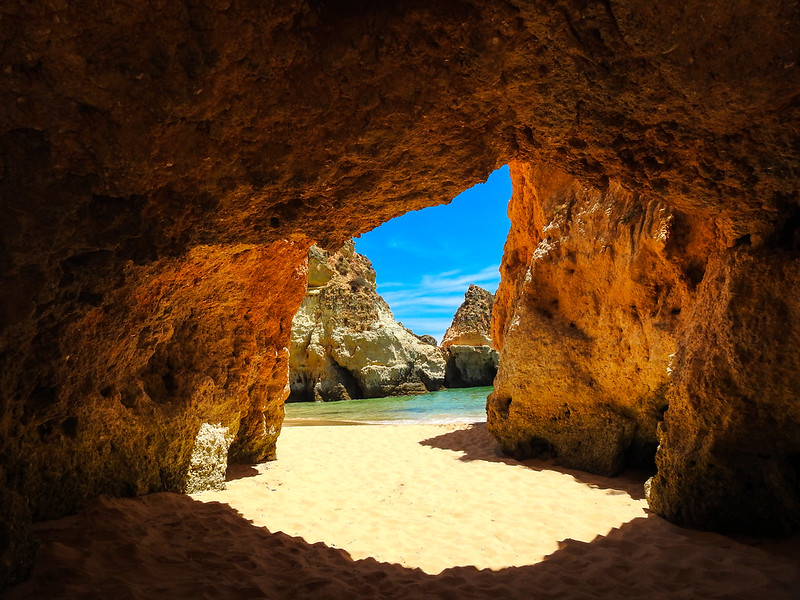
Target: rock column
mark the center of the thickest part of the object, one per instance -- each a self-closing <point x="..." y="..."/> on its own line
<point x="594" y="284"/>
<point x="730" y="442"/>
<point x="626" y="326"/>
<point x="467" y="344"/>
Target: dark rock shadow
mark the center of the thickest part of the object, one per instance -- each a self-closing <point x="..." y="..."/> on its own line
<point x="476" y="443"/>
<point x="239" y="471"/>
<point x="171" y="546"/>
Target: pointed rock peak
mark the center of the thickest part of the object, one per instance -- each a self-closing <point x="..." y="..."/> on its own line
<point x="472" y="322"/>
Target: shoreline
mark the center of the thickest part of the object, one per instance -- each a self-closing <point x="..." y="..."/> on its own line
<point x="310" y="422"/>
<point x="452" y="405"/>
<point x="296" y="422"/>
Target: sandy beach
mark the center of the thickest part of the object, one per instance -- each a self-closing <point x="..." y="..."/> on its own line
<point x="412" y="511"/>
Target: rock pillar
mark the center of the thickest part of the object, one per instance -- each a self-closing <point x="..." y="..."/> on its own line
<point x="594" y="284"/>
<point x="729" y="457"/>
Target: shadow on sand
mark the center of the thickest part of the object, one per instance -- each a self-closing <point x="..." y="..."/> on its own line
<point x="240" y="471"/>
<point x="171" y="546"/>
<point x="476" y="443"/>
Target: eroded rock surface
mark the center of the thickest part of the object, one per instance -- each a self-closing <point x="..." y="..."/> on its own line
<point x="470" y="366"/>
<point x="472" y="323"/>
<point x="346" y="343"/>
<point x="730" y="440"/>
<point x="593" y="291"/>
<point x="467" y="343"/>
<point x="128" y="376"/>
<point x="141" y="148"/>
<point x="624" y="324"/>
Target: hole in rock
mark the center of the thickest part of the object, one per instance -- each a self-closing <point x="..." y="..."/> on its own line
<point x="425" y="263"/>
<point x="425" y="260"/>
<point x="70" y="426"/>
<point x="695" y="272"/>
<point x="788" y="235"/>
<point x="43" y="396"/>
<point x="392" y="489"/>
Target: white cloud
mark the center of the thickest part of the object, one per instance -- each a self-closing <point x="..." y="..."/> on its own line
<point x="455" y="281"/>
<point x="428" y="306"/>
<point x="413" y="298"/>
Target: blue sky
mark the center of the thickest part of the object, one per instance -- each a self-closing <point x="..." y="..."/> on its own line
<point x="426" y="259"/>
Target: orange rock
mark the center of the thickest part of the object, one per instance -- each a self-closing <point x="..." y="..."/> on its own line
<point x="184" y="341"/>
<point x="139" y="148"/>
<point x="628" y="312"/>
<point x="731" y="437"/>
<point x="594" y="284"/>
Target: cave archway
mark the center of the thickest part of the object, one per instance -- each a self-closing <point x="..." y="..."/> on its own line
<point x="163" y="172"/>
<point x="404" y="308"/>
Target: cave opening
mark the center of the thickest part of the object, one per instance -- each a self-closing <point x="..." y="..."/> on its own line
<point x="425" y="260"/>
<point x="404" y="309"/>
<point x="162" y="175"/>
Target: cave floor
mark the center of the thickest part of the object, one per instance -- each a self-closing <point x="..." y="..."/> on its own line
<point x="426" y="511"/>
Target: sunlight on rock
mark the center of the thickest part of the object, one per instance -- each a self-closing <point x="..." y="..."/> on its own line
<point x="209" y="459"/>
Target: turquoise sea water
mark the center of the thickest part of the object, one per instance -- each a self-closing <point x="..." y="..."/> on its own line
<point x="464" y="405"/>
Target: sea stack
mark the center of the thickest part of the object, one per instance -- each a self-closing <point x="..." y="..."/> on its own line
<point x="467" y="345"/>
<point x="345" y="341"/>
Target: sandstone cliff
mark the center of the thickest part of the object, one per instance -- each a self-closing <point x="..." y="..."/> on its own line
<point x="163" y="172"/>
<point x="593" y="288"/>
<point x="730" y="441"/>
<point x="345" y="341"/>
<point x="467" y="343"/>
<point x="625" y="325"/>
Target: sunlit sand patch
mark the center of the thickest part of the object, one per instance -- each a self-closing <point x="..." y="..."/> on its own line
<point x="421" y="496"/>
<point x="390" y="493"/>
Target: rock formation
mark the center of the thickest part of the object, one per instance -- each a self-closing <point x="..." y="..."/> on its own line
<point x="164" y="170"/>
<point x="472" y="323"/>
<point x="470" y="366"/>
<point x="592" y="292"/>
<point x="729" y="443"/>
<point x="146" y="387"/>
<point x="467" y="343"/>
<point x="615" y="312"/>
<point x="425" y="338"/>
<point x="345" y="341"/>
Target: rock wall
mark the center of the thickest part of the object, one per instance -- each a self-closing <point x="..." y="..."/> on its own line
<point x="142" y="144"/>
<point x="625" y="324"/>
<point x="125" y="381"/>
<point x="345" y="341"/>
<point x="133" y="376"/>
<point x="730" y="440"/>
<point x="593" y="291"/>
<point x="467" y="343"/>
